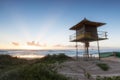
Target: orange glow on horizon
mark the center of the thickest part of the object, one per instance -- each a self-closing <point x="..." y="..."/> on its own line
<point x="28" y="56"/>
<point x="26" y="47"/>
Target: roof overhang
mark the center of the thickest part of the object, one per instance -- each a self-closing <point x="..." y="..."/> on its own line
<point x="87" y="22"/>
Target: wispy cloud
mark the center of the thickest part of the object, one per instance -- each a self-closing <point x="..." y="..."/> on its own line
<point x="33" y="43"/>
<point x="67" y="46"/>
<point x="15" y="43"/>
<point x="64" y="46"/>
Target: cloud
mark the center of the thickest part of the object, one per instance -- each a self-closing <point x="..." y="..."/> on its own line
<point x="58" y="45"/>
<point x="15" y="43"/>
<point x="33" y="43"/>
<point x="65" y="46"/>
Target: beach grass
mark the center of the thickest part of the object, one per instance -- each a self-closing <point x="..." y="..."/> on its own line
<point x="45" y="68"/>
<point x="108" y="78"/>
<point x="37" y="69"/>
<point x="59" y="58"/>
<point x="103" y="66"/>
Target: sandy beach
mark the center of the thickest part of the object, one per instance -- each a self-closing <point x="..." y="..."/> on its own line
<point x="77" y="69"/>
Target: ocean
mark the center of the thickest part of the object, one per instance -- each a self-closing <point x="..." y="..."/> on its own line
<point x="42" y="53"/>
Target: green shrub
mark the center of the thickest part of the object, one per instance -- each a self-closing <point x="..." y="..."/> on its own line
<point x="88" y="75"/>
<point x="9" y="60"/>
<point x="33" y="72"/>
<point x="108" y="78"/>
<point x="55" y="58"/>
<point x="40" y="69"/>
<point x="103" y="66"/>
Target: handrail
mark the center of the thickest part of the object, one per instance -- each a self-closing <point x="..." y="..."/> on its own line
<point x="101" y="34"/>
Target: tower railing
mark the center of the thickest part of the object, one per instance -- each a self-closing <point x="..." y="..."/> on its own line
<point x="101" y="35"/>
<point x="72" y="37"/>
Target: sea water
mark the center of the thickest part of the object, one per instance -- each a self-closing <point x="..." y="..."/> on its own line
<point x="42" y="53"/>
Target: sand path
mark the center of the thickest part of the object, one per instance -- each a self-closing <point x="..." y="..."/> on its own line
<point x="77" y="69"/>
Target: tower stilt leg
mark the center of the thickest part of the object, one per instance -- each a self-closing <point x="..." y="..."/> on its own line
<point x="86" y="50"/>
<point x="76" y="51"/>
<point x="98" y="49"/>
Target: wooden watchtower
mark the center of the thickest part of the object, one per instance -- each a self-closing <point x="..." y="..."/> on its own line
<point x="86" y="31"/>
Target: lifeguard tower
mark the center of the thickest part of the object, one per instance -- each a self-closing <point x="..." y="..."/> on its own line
<point x="86" y="32"/>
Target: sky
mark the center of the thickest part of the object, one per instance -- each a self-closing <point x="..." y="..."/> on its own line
<point x="44" y="24"/>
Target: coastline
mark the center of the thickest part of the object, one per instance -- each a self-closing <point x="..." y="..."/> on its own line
<point x="75" y="69"/>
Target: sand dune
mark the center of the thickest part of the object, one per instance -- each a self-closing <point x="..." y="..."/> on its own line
<point x="77" y="69"/>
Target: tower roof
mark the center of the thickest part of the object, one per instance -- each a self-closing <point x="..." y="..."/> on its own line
<point x="87" y="22"/>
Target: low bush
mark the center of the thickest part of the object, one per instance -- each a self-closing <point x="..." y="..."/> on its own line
<point x="33" y="72"/>
<point x="103" y="66"/>
<point x="108" y="78"/>
<point x="9" y="60"/>
<point x="42" y="69"/>
<point x="55" y="58"/>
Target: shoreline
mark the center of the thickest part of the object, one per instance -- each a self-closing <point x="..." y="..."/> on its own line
<point x="76" y="69"/>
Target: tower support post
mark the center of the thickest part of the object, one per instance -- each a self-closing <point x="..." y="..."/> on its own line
<point x="87" y="50"/>
<point x="98" y="49"/>
<point x="76" y="47"/>
<point x="76" y="50"/>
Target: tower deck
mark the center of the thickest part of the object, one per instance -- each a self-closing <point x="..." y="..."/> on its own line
<point x="87" y="36"/>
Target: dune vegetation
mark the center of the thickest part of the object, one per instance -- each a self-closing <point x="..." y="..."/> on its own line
<point x="108" y="78"/>
<point x="12" y="68"/>
<point x="103" y="66"/>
